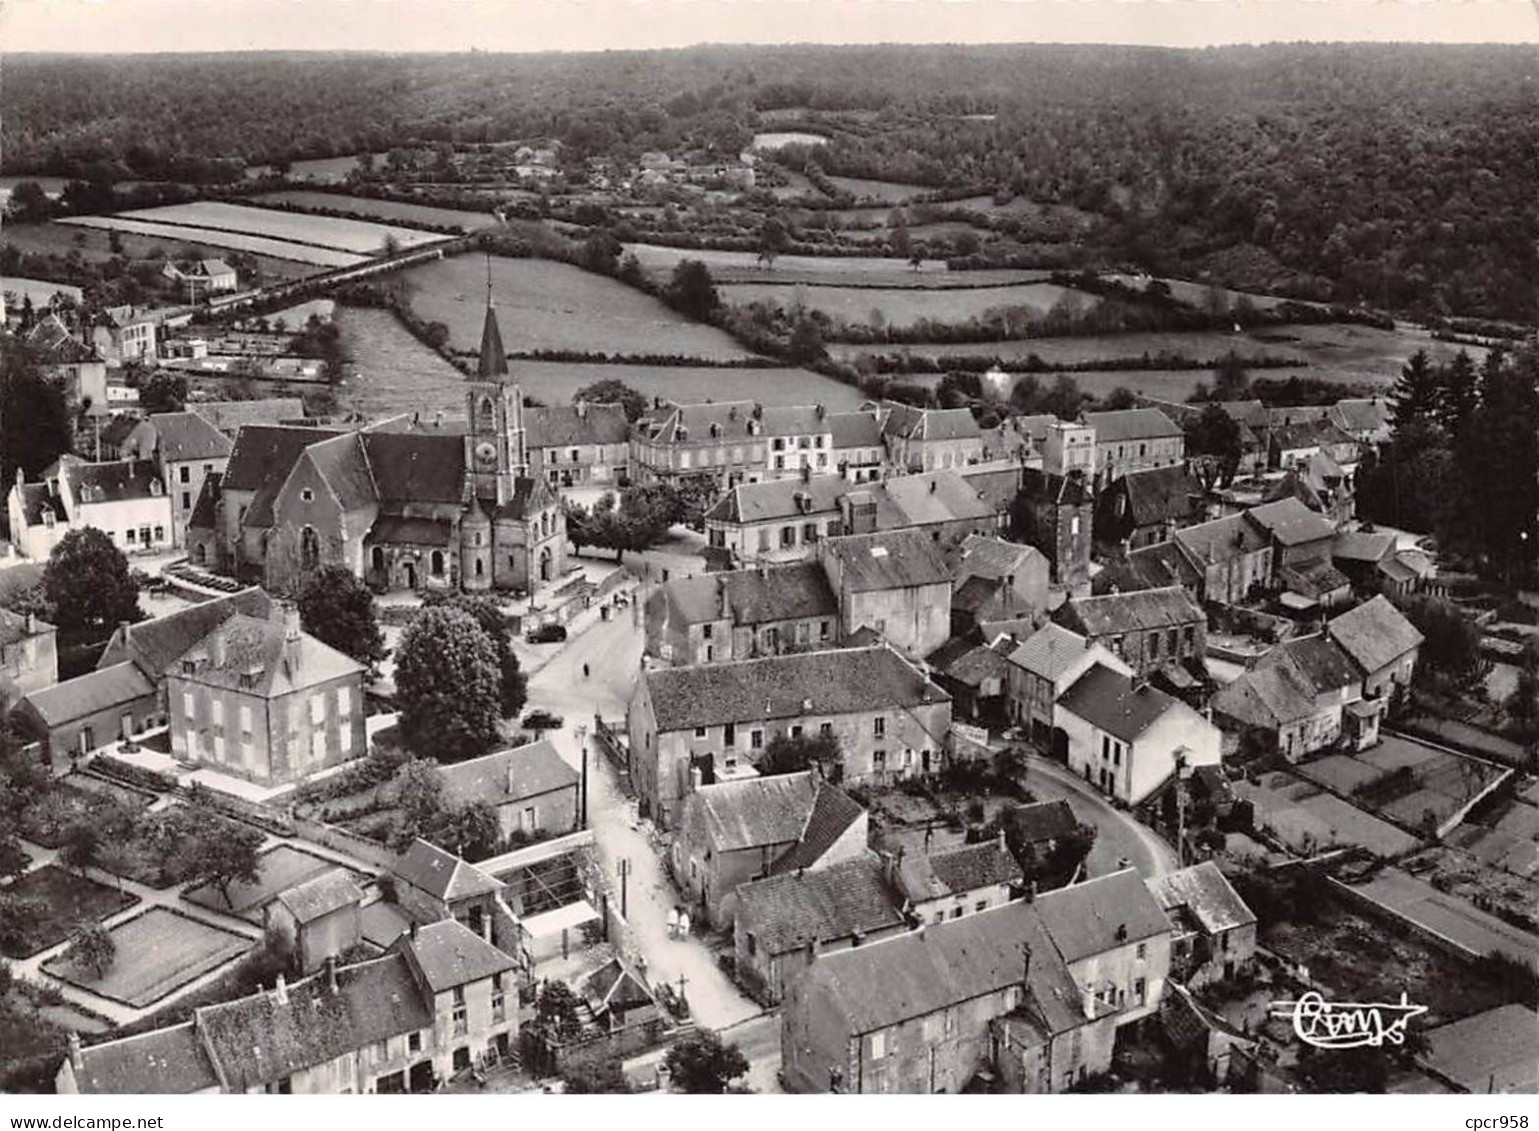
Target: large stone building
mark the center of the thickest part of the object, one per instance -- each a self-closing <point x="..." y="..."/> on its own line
<point x="404" y="506"/>
<point x="125" y="499"/>
<point x="187" y="449"/>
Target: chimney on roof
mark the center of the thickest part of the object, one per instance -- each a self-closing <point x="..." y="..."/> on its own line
<point x="21" y="477"/>
<point x="76" y="1060"/>
<point x="31" y="624"/>
<point x="413" y="930"/>
<point x="281" y="991"/>
<point x="216" y="648"/>
<point x="331" y="972"/>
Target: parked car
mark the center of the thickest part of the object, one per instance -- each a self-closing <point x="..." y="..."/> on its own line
<point x="546" y="634"/>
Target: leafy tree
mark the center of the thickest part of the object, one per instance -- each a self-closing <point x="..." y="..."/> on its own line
<point x="35" y="423"/>
<point x="513" y="686"/>
<point x="1230" y="380"/>
<point x="1213" y="436"/>
<point x="613" y="391"/>
<point x="338" y="610"/>
<point x="774" y="238"/>
<point x="1522" y="703"/>
<point x="82" y="843"/>
<point x="556" y="1008"/>
<point x="220" y="852"/>
<point x="1064" y="400"/>
<point x="1450" y="653"/>
<point x="594" y="1077"/>
<point x="29" y="204"/>
<point x="448" y="686"/>
<point x="692" y="291"/>
<point x="418" y="790"/>
<point x="92" y="950"/>
<point x="700" y="1064"/>
<point x="898" y="238"/>
<point x="163" y="392"/>
<point x="541" y="721"/>
<point x="788" y="755"/>
<point x="88" y="582"/>
<point x="20" y="915"/>
<point x="470" y="831"/>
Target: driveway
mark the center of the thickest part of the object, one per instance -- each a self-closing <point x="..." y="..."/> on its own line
<point x="1118" y="835"/>
<point x="612" y="651"/>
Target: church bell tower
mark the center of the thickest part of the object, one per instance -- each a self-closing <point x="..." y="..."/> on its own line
<point x="494" y="442"/>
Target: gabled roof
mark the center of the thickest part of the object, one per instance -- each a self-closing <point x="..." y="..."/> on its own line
<point x="1315" y="579"/>
<point x="1162" y="565"/>
<point x="855" y="430"/>
<point x="1375" y="634"/>
<point x="1063" y="490"/>
<point x="1362" y="414"/>
<point x="701" y="423"/>
<point x="1318" y="659"/>
<point x="55" y="345"/>
<point x="1115" y="703"/>
<point x="1309" y="434"/>
<point x="944" y="964"/>
<point x="447" y="954"/>
<point x="1042" y="821"/>
<point x="833" y="812"/>
<point x="937" y="496"/>
<point x="261" y="461"/>
<point x="1221" y="540"/>
<point x="1049" y="651"/>
<point x="394" y="530"/>
<point x="34" y="498"/>
<point x="260" y="1038"/>
<point x="786" y="912"/>
<point x="96" y="691"/>
<point x="318" y="897"/>
<point x="969" y="661"/>
<point x="891" y="559"/>
<point x="780" y="498"/>
<point x="958" y="870"/>
<point x="118" y="482"/>
<point x="794" y="420"/>
<point x="616" y="986"/>
<point x="979" y="555"/>
<point x="1204" y="892"/>
<point x="1267" y="697"/>
<point x="230" y="416"/>
<point x="441" y="874"/>
<point x="1100" y="915"/>
<point x="749" y="813"/>
<point x="1161" y="494"/>
<point x="184" y="436"/>
<point x="1290" y="522"/>
<point x="1116" y="613"/>
<point x="509" y="775"/>
<point x="1363" y="546"/>
<point x="416" y="467"/>
<point x="155" y="644"/>
<point x="838" y="682"/>
<point x="927" y="423"/>
<point x="1131" y="424"/>
<point x="341" y="463"/>
<point x="14" y="627"/>
<point x="568" y="426"/>
<point x="167" y="1061"/>
<point x="251" y="654"/>
<point x="754" y="596"/>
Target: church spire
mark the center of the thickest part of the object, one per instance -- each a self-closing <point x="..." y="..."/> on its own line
<point x="493" y="364"/>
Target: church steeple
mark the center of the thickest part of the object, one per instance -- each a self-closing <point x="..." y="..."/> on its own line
<point x="493" y="365"/>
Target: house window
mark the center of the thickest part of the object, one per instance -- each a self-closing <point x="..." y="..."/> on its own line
<point x="309" y="548"/>
<point x="825" y="729"/>
<point x="317" y="709"/>
<point x="809" y="532"/>
<point x="956" y="912"/>
<point x="753" y="945"/>
<point x="803" y="633"/>
<point x="1138" y="990"/>
<point x="705" y="631"/>
<point x="128" y="536"/>
<point x="951" y="1022"/>
<point x="460" y="1024"/>
<point x="1074" y="526"/>
<point x="1142" y="950"/>
<point x="700" y="732"/>
<point x="756" y="739"/>
<point x="382" y="1050"/>
<point x="787" y="536"/>
<point x="1105" y="748"/>
<point x="1117" y="754"/>
<point x="184" y="473"/>
<point x="823" y="630"/>
<point x="879" y="761"/>
<point x="729" y="734"/>
<point x="878" y="1046"/>
<point x="187" y="711"/>
<point x="245" y="722"/>
<point x="345" y="740"/>
<point x="796" y="731"/>
<point x="499" y="999"/>
<point x="879" y="726"/>
<point x="764" y="538"/>
<point x="574" y="455"/>
<point x="344" y="701"/>
<point x="414" y="1042"/>
<point x="186" y="500"/>
<point x="160" y="534"/>
<point x="982" y="905"/>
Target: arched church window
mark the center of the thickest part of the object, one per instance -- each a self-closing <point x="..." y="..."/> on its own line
<point x="309" y="548"/>
<point x="485" y="413"/>
<point x="480" y="567"/>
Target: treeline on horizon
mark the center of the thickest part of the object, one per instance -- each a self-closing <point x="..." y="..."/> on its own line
<point x="1393" y="175"/>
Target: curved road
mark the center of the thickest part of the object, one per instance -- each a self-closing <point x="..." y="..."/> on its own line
<point x="1118" y="834"/>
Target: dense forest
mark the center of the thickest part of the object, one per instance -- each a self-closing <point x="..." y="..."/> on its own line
<point x="1400" y="176"/>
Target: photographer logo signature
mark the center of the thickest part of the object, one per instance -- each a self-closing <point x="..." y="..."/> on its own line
<point x="1347" y="1024"/>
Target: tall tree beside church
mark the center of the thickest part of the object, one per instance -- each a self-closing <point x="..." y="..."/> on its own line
<point x="514" y="684"/>
<point x="448" y="686"/>
<point x="338" y="609"/>
<point x="87" y="582"/>
<point x="35" y="427"/>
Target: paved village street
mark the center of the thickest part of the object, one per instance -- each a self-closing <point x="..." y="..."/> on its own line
<point x="612" y="651"/>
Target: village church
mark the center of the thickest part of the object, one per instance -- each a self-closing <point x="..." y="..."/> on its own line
<point x="403" y="504"/>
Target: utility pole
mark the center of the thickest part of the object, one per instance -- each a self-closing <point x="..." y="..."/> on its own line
<point x="582" y="743"/>
<point x="1180" y="812"/>
<point x="625" y="873"/>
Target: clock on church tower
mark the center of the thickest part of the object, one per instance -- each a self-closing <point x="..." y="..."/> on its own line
<point x="494" y="443"/>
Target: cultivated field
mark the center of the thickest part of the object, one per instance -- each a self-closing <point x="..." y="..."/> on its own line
<point x="390" y="210"/>
<point x="542" y="304"/>
<point x="1309" y="820"/>
<point x="324" y="170"/>
<point x="221" y="241"/>
<point x="359" y="236"/>
<point x="281" y="868"/>
<point x="392" y="373"/>
<point x="1403" y="781"/>
<point x="1336" y="352"/>
<point x="773" y="140"/>
<point x="744" y="266"/>
<point x="900" y="307"/>
<point x="94" y="243"/>
<point x="67" y="900"/>
<point x="157" y="952"/>
<point x="888" y="191"/>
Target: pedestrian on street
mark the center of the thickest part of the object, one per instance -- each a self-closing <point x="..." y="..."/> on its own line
<point x="683" y="924"/>
<point x="585" y="671"/>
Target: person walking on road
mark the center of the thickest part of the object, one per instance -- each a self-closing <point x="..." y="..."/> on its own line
<point x="585" y="671"/>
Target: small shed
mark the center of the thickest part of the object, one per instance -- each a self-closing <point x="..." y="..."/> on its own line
<point x="319" y="918"/>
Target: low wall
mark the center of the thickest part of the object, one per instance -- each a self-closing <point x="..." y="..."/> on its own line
<point x="340" y="840"/>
